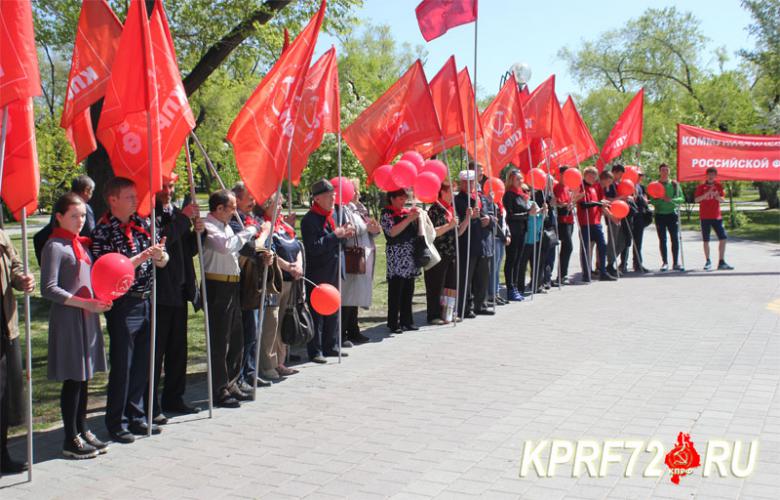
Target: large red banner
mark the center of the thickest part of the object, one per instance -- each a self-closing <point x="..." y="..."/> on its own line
<point x="737" y="157"/>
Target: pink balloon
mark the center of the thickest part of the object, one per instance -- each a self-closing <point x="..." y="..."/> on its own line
<point x="112" y="276"/>
<point x="403" y="174"/>
<point x="495" y="187"/>
<point x="426" y="187"/>
<point x="325" y="299"/>
<point x="631" y="174"/>
<point x="572" y="178"/>
<point x="538" y="178"/>
<point x="437" y="167"/>
<point x="415" y="159"/>
<point x="383" y="178"/>
<point x="347" y="189"/>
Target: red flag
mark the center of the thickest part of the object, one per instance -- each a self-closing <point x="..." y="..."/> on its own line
<point x="97" y="39"/>
<point x="20" y="168"/>
<point x="466" y="92"/>
<point x="539" y="110"/>
<point x="130" y="106"/>
<point x="559" y="147"/>
<point x="19" y="78"/>
<point x="583" y="142"/>
<point x="504" y="128"/>
<point x="319" y="111"/>
<point x="436" y="17"/>
<point x="401" y="118"/>
<point x="526" y="162"/>
<point x="524" y="95"/>
<point x="446" y="101"/>
<point x="626" y="132"/>
<point x="262" y="132"/>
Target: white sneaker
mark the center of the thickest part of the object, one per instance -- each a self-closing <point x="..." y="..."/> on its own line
<point x="664" y="268"/>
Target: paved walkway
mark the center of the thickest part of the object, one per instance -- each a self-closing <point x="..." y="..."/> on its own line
<point x="444" y="412"/>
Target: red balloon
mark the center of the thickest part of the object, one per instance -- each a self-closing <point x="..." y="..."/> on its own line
<point x="415" y="159"/>
<point x="625" y="188"/>
<point x="112" y="276"/>
<point x="437" y="167"/>
<point x="426" y="187"/>
<point x="325" y="299"/>
<point x="656" y="190"/>
<point x="631" y="174"/>
<point x="538" y="178"/>
<point x="403" y="174"/>
<point x="619" y="209"/>
<point x="347" y="189"/>
<point x="572" y="178"/>
<point x="383" y="178"/>
<point x="495" y="188"/>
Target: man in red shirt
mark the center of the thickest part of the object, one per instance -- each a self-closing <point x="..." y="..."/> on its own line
<point x="590" y="204"/>
<point x="708" y="195"/>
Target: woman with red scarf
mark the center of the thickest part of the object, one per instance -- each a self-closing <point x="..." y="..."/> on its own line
<point x="517" y="205"/>
<point x="400" y="227"/>
<point x="441" y="279"/>
<point x="76" y="350"/>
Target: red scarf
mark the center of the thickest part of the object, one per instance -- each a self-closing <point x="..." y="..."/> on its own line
<point x="478" y="199"/>
<point x="327" y="214"/>
<point x="128" y="228"/>
<point x="80" y="243"/>
<point x="518" y="191"/>
<point x="281" y="224"/>
<point x="447" y="209"/>
<point x="398" y="213"/>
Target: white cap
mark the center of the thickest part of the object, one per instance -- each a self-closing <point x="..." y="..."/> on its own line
<point x="467" y="175"/>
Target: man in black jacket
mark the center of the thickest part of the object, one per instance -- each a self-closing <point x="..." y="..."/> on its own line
<point x="176" y="285"/>
<point x="468" y="206"/>
<point x="321" y="240"/>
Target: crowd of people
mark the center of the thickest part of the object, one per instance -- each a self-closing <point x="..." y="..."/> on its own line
<point x="258" y="268"/>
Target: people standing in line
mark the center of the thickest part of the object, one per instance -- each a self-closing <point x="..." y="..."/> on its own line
<point x="12" y="402"/>
<point x="250" y="283"/>
<point x="220" y="256"/>
<point x="642" y="219"/>
<point x="590" y="201"/>
<point x="321" y="241"/>
<point x="441" y="279"/>
<point x="709" y="195"/>
<point x="357" y="288"/>
<point x="667" y="219"/>
<point x="400" y="226"/>
<point x="468" y="207"/>
<point x="75" y="349"/>
<point x="517" y="204"/>
<point x="176" y="286"/>
<point x="123" y="231"/>
<point x="562" y="201"/>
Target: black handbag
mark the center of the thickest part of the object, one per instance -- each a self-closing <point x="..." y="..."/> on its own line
<point x="297" y="323"/>
<point x="421" y="253"/>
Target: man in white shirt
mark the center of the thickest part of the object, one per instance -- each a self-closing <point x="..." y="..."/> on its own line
<point x="220" y="255"/>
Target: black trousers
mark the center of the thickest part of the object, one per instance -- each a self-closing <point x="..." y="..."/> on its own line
<point x="73" y="404"/>
<point x="227" y="336"/>
<point x="171" y="352"/>
<point x="466" y="277"/>
<point x="442" y="275"/>
<point x="565" y="232"/>
<point x="399" y="302"/>
<point x="326" y="331"/>
<point x="667" y="223"/>
<point x="11" y="389"/>
<point x="638" y="228"/>
<point x="128" y="324"/>
<point x="349" y="322"/>
<point x="514" y="253"/>
<point x="536" y="267"/>
<point x="481" y="282"/>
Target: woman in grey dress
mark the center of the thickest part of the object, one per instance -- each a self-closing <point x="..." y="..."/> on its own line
<point x="76" y="348"/>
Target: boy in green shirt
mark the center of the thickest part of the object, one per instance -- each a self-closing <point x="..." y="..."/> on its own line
<point x="666" y="218"/>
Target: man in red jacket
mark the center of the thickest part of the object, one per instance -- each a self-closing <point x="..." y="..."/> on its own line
<point x="708" y="195"/>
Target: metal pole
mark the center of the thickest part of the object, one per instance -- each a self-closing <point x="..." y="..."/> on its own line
<point x="341" y="221"/>
<point x="153" y="318"/>
<point x="289" y="185"/>
<point x="492" y="263"/>
<point x="208" y="160"/>
<point x="468" y="237"/>
<point x="533" y="257"/>
<point x="204" y="294"/>
<point x="555" y="226"/>
<point x="585" y="251"/>
<point x="2" y="145"/>
<point x="27" y="336"/>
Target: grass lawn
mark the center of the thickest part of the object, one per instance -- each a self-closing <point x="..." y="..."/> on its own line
<point x="760" y="225"/>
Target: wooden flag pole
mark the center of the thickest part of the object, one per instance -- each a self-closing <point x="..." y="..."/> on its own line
<point x="204" y="294"/>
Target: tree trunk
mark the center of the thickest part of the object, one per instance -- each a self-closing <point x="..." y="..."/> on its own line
<point x="768" y="193"/>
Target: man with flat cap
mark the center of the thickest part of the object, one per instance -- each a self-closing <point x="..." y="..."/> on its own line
<point x="321" y="240"/>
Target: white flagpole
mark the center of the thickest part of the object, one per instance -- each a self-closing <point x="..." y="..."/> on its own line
<point x="465" y="289"/>
<point x="455" y="230"/>
<point x="2" y="144"/>
<point x="533" y="257"/>
<point x="153" y="320"/>
<point x="341" y="221"/>
<point x="28" y="339"/>
<point x="208" y="160"/>
<point x="574" y="213"/>
<point x="204" y="294"/>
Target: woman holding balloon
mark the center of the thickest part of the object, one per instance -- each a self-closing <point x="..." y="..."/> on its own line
<point x="76" y="351"/>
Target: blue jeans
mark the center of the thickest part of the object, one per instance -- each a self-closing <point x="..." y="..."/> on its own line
<point x="595" y="233"/>
<point x="249" y="321"/>
<point x="495" y="269"/>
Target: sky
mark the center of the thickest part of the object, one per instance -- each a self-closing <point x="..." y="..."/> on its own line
<point x="532" y="32"/>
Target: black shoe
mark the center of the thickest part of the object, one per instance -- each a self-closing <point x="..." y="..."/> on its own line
<point x="485" y="312"/>
<point x="410" y="327"/>
<point x="79" y="449"/>
<point x="180" y="408"/>
<point x="359" y="338"/>
<point x="470" y="315"/>
<point x="142" y="429"/>
<point x="641" y="269"/>
<point x="160" y="419"/>
<point x="93" y="441"/>
<point x="394" y="329"/>
<point x="9" y="466"/>
<point x="722" y="266"/>
<point x="227" y="402"/>
<point x="241" y="395"/>
<point x="347" y="344"/>
<point x="611" y="270"/>
<point x="122" y="436"/>
<point x="319" y="359"/>
<point x="607" y="277"/>
<point x="335" y="354"/>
